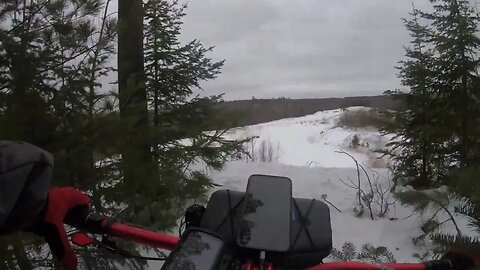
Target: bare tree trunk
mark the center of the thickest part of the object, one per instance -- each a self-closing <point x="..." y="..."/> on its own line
<point x="465" y="142"/>
<point x="131" y="73"/>
<point x="136" y="153"/>
<point x="464" y="103"/>
<point x="156" y="97"/>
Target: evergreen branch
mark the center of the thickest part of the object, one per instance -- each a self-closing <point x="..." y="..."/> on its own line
<point x="29" y="18"/>
<point x="95" y="56"/>
<point x="459" y="233"/>
<point x="85" y="50"/>
<point x="458" y="242"/>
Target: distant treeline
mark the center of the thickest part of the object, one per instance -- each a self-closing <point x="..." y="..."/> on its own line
<point x="255" y="111"/>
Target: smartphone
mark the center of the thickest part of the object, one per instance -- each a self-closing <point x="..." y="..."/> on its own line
<point x="198" y="250"/>
<point x="265" y="223"/>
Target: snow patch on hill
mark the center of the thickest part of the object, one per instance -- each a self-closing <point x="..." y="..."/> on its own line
<point x="314" y="140"/>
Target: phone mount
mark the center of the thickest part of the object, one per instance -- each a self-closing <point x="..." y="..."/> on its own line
<point x="310" y="228"/>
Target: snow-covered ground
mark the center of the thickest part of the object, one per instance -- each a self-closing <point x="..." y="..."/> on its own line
<point x="306" y="150"/>
<point x="312" y="183"/>
<point x="313" y="140"/>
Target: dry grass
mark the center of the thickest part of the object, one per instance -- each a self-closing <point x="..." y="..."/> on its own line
<point x="364" y="118"/>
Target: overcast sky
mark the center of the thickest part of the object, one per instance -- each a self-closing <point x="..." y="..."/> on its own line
<point x="301" y="48"/>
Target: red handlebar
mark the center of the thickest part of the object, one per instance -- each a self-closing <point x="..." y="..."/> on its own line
<point x="101" y="225"/>
<point x="368" y="266"/>
<point x="142" y="236"/>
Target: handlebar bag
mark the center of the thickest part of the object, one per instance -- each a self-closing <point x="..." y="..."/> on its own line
<point x="311" y="232"/>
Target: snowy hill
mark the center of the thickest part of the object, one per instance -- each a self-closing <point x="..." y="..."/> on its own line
<point x="305" y="149"/>
<point x="313" y="140"/>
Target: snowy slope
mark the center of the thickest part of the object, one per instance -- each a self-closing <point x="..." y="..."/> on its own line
<point x="313" y="139"/>
<point x="307" y="153"/>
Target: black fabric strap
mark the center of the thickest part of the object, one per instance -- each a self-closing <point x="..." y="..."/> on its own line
<point x="231" y="214"/>
<point x="303" y="224"/>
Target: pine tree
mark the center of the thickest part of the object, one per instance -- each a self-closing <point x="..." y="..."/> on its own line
<point x="457" y="44"/>
<point x="186" y="127"/>
<point x="52" y="57"/>
<point x="417" y="145"/>
<point x="438" y="134"/>
<point x="438" y="130"/>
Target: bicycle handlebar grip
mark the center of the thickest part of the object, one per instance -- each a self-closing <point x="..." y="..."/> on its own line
<point x="98" y="224"/>
<point x="77" y="216"/>
<point x="82" y="218"/>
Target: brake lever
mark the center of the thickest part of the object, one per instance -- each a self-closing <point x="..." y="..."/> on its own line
<point x="81" y="239"/>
